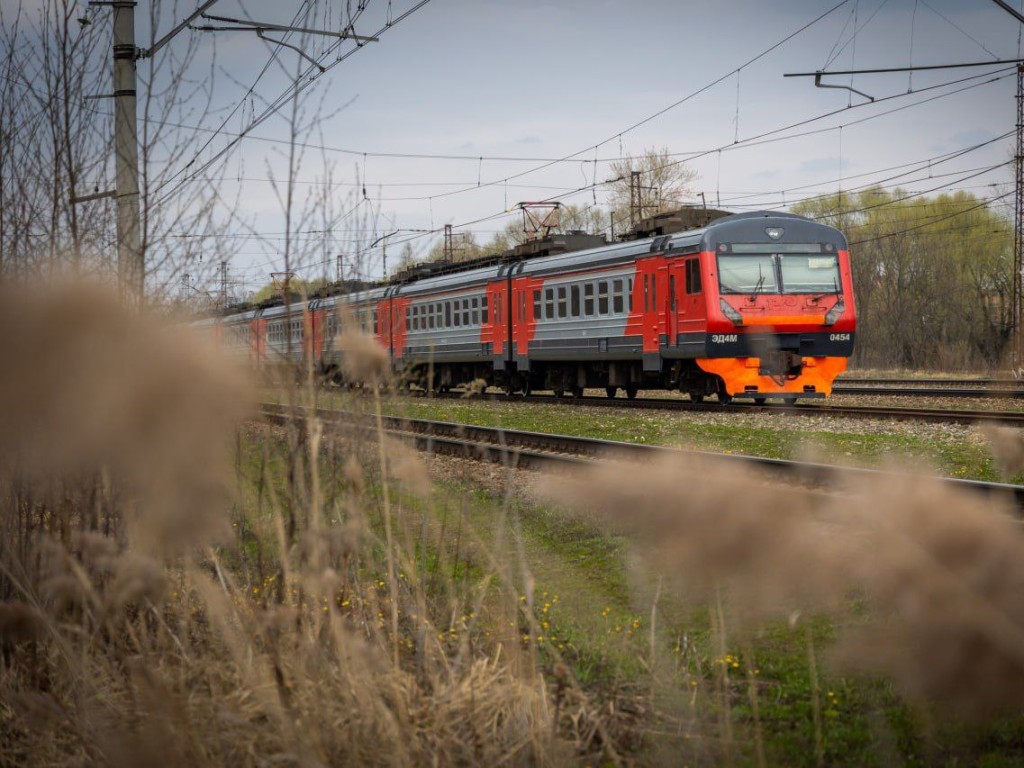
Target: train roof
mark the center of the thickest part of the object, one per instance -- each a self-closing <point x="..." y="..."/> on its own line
<point x="741" y="227"/>
<point x="754" y="227"/>
<point x="749" y="227"/>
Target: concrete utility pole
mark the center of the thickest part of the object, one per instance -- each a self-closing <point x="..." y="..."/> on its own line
<point x="635" y="202"/>
<point x="131" y="265"/>
<point x="131" y="269"/>
<point x="223" y="283"/>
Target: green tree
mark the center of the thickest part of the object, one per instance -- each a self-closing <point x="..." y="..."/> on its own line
<point x="932" y="276"/>
<point x="297" y="286"/>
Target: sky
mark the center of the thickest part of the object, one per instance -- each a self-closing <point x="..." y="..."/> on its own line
<point x="584" y="80"/>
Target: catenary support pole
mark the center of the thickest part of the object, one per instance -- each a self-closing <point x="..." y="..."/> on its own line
<point x="1018" y="227"/>
<point x="131" y="271"/>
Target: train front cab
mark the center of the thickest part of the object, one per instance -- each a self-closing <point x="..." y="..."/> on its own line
<point x="780" y="309"/>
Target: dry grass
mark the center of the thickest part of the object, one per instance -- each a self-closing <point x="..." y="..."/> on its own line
<point x="179" y="587"/>
<point x="941" y="571"/>
<point x="136" y="630"/>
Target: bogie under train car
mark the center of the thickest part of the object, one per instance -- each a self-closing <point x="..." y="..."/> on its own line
<point x="752" y="305"/>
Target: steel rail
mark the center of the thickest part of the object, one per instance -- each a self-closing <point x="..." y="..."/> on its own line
<point x="1007" y="382"/>
<point x="999" y="393"/>
<point x="532" y="450"/>
<point x="831" y="410"/>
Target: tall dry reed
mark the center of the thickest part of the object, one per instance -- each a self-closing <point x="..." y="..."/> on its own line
<point x="181" y="587"/>
<point x="941" y="570"/>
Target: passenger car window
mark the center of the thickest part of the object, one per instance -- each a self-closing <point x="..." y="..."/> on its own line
<point x="617" y="292"/>
<point x="602" y="297"/>
<point x="693" y="285"/>
<point x="588" y="299"/>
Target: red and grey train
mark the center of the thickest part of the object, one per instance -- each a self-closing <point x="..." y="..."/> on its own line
<point x="752" y="305"/>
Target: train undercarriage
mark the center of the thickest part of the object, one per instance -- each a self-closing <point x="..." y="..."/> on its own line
<point x="786" y="376"/>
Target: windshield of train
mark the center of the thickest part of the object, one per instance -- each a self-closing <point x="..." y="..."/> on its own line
<point x="809" y="274"/>
<point x="747" y="274"/>
<point x="778" y="273"/>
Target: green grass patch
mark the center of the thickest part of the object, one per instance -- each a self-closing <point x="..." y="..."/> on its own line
<point x="773" y="437"/>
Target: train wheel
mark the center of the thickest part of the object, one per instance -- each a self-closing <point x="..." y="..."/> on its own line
<point x="696" y="397"/>
<point x="758" y="401"/>
<point x="559" y="393"/>
<point x="611" y="392"/>
<point x="723" y="396"/>
<point x="631" y="390"/>
<point x="577" y="392"/>
<point x="789" y="400"/>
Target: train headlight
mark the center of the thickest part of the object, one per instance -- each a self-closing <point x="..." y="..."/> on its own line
<point x="730" y="313"/>
<point x="833" y="314"/>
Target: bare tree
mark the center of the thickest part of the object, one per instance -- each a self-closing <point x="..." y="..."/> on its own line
<point x="663" y="184"/>
<point x="53" y="142"/>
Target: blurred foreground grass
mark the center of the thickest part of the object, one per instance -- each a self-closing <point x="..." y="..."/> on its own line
<point x="180" y="586"/>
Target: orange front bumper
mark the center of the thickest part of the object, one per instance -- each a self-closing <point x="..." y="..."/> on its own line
<point x="741" y="376"/>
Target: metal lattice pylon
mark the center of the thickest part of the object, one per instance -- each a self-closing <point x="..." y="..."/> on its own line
<point x="1018" y="227"/>
<point x="540" y="219"/>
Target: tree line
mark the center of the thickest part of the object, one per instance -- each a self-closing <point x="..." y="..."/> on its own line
<point x="933" y="277"/>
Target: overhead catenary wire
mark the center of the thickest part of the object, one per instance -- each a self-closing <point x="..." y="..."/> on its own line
<point x="299" y="84"/>
<point x="766" y="137"/>
<point x="760" y="137"/>
<point x="958" y="28"/>
<point x="920" y="165"/>
<point x="685" y="155"/>
<point x="649" y="118"/>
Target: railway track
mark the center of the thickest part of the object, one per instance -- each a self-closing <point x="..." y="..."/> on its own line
<point x="1006" y="382"/>
<point x="995" y="392"/>
<point x="539" y="450"/>
<point x="935" y="415"/>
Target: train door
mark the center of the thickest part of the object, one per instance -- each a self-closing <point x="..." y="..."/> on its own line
<point x="672" y="326"/>
<point x="499" y="321"/>
<point x="320" y="315"/>
<point x="692" y="310"/>
<point x="662" y="298"/>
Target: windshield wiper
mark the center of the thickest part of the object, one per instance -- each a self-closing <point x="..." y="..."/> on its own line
<point x="835" y="290"/>
<point x="760" y="280"/>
